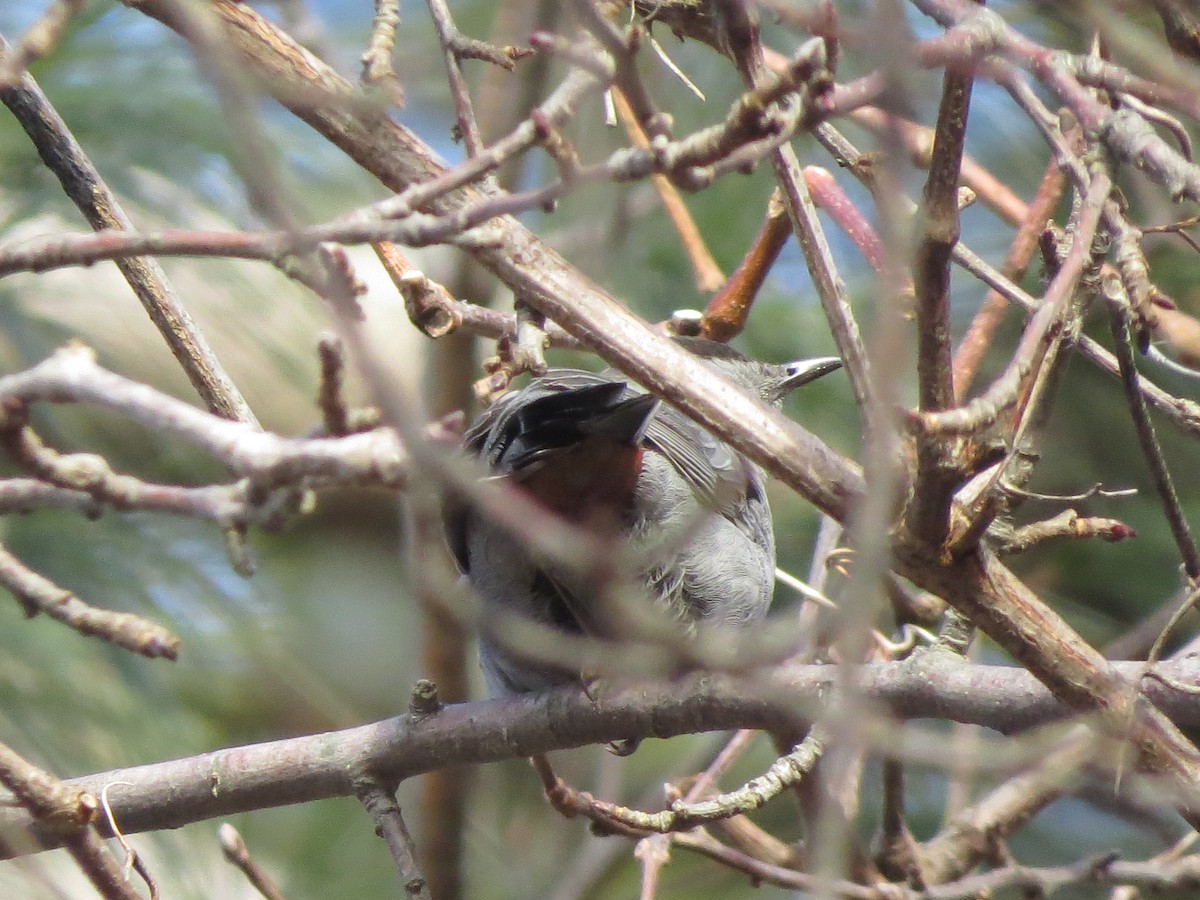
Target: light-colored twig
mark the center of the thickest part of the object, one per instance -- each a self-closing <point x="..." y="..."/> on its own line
<point x="38" y="594"/>
<point x="39" y="41"/>
<point x="236" y="851"/>
<point x="82" y="182"/>
<point x="377" y="58"/>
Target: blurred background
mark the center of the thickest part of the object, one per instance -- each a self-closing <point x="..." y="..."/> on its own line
<point x="325" y="635"/>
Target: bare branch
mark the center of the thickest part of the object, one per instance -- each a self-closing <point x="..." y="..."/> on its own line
<point x="83" y="184"/>
<point x="296" y="770"/>
<point x="238" y="853"/>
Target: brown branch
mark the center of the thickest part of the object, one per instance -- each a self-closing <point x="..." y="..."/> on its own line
<point x="996" y="601"/>
<point x="81" y="181"/>
<point x="1067" y="524"/>
<point x="940" y="462"/>
<point x="57" y="805"/>
<point x="983" y="327"/>
<point x="38" y="594"/>
<point x="380" y="803"/>
<point x="298" y="770"/>
<point x="1151" y="449"/>
<point x="728" y="310"/>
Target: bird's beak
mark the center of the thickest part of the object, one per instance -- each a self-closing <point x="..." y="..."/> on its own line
<point x="804" y="371"/>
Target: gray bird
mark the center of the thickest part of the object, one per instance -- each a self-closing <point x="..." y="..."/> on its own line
<point x="603" y="454"/>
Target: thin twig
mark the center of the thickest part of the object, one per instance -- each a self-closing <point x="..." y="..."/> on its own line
<point x="377" y="58"/>
<point x="83" y="184"/>
<point x="380" y="803"/>
<point x="682" y="815"/>
<point x="1067" y="524"/>
<point x="1151" y="449"/>
<point x="708" y="274"/>
<point x="448" y="35"/>
<point x="987" y="320"/>
<point x="236" y="851"/>
<point x="38" y="594"/>
<point x="830" y="288"/>
<point x="38" y="42"/>
<point x="654" y="850"/>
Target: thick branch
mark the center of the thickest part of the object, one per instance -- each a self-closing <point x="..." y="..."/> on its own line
<point x="298" y="770"/>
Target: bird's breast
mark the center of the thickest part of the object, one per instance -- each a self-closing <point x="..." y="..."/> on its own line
<point x="590" y="484"/>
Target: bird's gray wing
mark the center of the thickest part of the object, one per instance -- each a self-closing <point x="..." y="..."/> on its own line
<point x="718" y="475"/>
